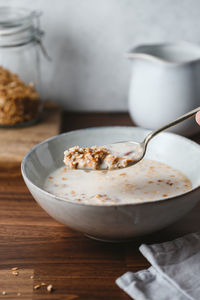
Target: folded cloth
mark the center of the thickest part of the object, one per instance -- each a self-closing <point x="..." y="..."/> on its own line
<point x="174" y="274"/>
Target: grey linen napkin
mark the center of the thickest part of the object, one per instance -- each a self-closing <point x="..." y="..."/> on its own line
<point x="174" y="274"/>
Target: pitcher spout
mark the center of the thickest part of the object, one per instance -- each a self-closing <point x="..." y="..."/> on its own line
<point x="171" y="53"/>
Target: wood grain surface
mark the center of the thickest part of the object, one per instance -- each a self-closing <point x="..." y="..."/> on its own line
<point x="46" y="251"/>
<point x="16" y="142"/>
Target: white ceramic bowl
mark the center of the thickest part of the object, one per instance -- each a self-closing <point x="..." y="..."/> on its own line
<point x="114" y="222"/>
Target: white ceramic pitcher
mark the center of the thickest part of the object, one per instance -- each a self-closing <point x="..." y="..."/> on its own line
<point x="165" y="84"/>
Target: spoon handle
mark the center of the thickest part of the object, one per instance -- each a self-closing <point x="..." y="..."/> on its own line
<point x="178" y="120"/>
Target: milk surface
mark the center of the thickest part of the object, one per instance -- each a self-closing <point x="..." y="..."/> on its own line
<point x="146" y="181"/>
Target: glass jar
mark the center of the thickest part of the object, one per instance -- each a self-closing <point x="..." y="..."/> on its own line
<point x="20" y="44"/>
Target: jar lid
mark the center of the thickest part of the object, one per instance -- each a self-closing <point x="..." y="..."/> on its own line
<point x="18" y="26"/>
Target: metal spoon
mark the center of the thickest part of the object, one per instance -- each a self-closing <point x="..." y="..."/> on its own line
<point x="129" y="153"/>
<point x="136" y="151"/>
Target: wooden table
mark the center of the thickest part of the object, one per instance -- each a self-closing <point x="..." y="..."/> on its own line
<point x="45" y="251"/>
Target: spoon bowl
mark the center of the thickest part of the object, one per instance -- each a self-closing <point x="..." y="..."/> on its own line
<point x="129" y="151"/>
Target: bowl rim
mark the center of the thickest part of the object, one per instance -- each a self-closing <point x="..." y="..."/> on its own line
<point x="114" y="205"/>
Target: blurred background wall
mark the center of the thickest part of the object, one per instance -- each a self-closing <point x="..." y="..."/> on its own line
<point x="87" y="40"/>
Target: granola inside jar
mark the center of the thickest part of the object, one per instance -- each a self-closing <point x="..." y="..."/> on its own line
<point x="19" y="102"/>
<point x="20" y="44"/>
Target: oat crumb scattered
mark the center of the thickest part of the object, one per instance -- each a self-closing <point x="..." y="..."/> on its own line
<point x="4" y="293"/>
<point x="98" y="196"/>
<point x="15" y="269"/>
<point x="50" y="288"/>
<point x="15" y="273"/>
<point x="37" y="286"/>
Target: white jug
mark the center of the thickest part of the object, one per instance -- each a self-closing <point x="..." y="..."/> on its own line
<point x="165" y="84"/>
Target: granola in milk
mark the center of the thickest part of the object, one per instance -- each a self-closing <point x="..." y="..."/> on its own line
<point x="95" y="157"/>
